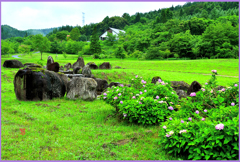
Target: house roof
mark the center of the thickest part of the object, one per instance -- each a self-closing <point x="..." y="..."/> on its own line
<point x="117" y="31"/>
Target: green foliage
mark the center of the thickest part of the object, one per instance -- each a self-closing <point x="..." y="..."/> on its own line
<point x="62" y="35"/>
<point x="119" y="53"/>
<point x="199" y="138"/>
<point x="143" y="102"/>
<point x="75" y="34"/>
<point x="95" y="47"/>
<point x="153" y="53"/>
<point x="41" y="44"/>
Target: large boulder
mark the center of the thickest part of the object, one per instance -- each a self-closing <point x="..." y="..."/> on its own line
<point x="101" y="85"/>
<point x="92" y="65"/>
<point x="80" y="63"/>
<point x="176" y="85"/>
<point x="53" y="67"/>
<point x="155" y="79"/>
<point x="105" y="65"/>
<point x="49" y="60"/>
<point x="12" y="64"/>
<point x="194" y="87"/>
<point x="39" y="85"/>
<point x="86" y="71"/>
<point x="67" y="66"/>
<point x="82" y="88"/>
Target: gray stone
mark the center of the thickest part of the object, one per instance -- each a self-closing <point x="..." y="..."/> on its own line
<point x="181" y="93"/>
<point x="80" y="63"/>
<point x="67" y="66"/>
<point x="82" y="88"/>
<point x="176" y="85"/>
<point x="50" y="60"/>
<point x="86" y="71"/>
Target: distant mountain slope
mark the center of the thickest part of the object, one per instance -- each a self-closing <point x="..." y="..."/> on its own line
<point x="8" y="32"/>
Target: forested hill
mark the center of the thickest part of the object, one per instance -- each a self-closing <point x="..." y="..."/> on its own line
<point x="207" y="10"/>
<point x="8" y="32"/>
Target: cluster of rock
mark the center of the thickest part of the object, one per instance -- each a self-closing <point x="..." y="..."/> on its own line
<point x="36" y="83"/>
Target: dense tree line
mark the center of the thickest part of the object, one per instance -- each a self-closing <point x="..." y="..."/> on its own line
<point x="194" y="30"/>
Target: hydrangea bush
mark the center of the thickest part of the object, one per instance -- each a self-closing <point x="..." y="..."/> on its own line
<point x="206" y="125"/>
<point x="143" y="102"/>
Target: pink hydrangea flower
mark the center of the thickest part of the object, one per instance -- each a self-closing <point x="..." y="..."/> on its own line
<point x="124" y="115"/>
<point x="159" y="80"/>
<point x="223" y="89"/>
<point x="119" y="94"/>
<point x="197" y="112"/>
<point x="167" y="135"/>
<point x="133" y="97"/>
<point x="164" y="127"/>
<point x="203" y="119"/>
<point x="193" y="94"/>
<point x="170" y="118"/>
<point x="170" y="108"/>
<point x="182" y="121"/>
<point x="121" y="102"/>
<point x="160" y="101"/>
<point x="115" y="98"/>
<point x="104" y="97"/>
<point x="136" y="76"/>
<point x="140" y="102"/>
<point x="143" y="85"/>
<point x="205" y="110"/>
<point x="235" y="85"/>
<point x="140" y="92"/>
<point x="219" y="126"/>
<point x="145" y="90"/>
<point x="232" y="104"/>
<point x="105" y="94"/>
<point x="157" y="97"/>
<point x="203" y="89"/>
<point x="189" y="119"/>
<point x="206" y="83"/>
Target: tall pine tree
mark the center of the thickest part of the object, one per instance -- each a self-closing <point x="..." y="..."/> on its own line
<point x="95" y="47"/>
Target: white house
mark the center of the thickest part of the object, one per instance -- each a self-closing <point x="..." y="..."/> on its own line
<point x="110" y="30"/>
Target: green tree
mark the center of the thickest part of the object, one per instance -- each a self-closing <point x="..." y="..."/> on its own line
<point x="62" y="35"/>
<point x="95" y="44"/>
<point x="163" y="16"/>
<point x="75" y="34"/>
<point x="181" y="12"/>
<point x="137" y="19"/>
<point x="204" y="14"/>
<point x="110" y="40"/>
<point x="41" y="44"/>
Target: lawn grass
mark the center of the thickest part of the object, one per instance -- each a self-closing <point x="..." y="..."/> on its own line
<point x="63" y="129"/>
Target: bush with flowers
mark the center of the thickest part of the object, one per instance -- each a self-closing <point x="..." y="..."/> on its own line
<point x="143" y="102"/>
<point x="206" y="126"/>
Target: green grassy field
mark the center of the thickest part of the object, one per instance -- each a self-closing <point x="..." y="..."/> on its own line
<point x="62" y="129"/>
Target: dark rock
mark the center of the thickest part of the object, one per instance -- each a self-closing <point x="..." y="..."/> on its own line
<point x="116" y="84"/>
<point x="219" y="88"/>
<point x="82" y="88"/>
<point x="92" y="65"/>
<point x="12" y="64"/>
<point x="117" y="67"/>
<point x="39" y="85"/>
<point x="176" y="85"/>
<point x="155" y="79"/>
<point x="101" y="85"/>
<point x="53" y="67"/>
<point x="80" y="63"/>
<point x="194" y="87"/>
<point x="49" y="60"/>
<point x="29" y="64"/>
<point x="76" y="70"/>
<point x="105" y="65"/>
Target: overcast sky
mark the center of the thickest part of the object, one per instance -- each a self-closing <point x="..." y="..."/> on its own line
<point x="42" y="15"/>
